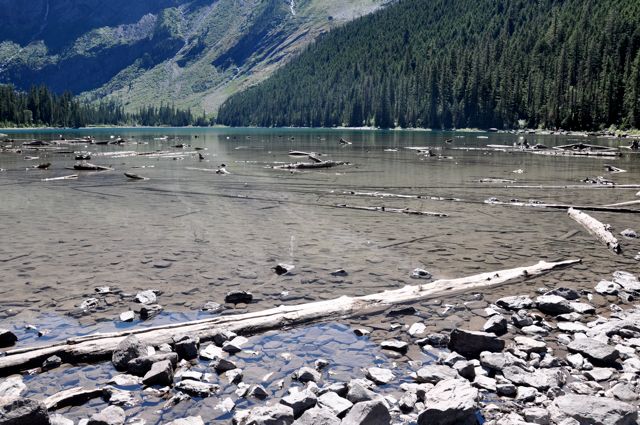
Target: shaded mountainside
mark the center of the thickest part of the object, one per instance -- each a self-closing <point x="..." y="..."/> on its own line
<point x="573" y="64"/>
<point x="193" y="53"/>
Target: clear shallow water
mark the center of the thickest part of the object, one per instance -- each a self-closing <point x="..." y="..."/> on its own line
<point x="62" y="239"/>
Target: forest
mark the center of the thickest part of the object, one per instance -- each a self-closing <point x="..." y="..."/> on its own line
<point x="442" y="64"/>
<point x="41" y="107"/>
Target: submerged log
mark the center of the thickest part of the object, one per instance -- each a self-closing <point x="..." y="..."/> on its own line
<point x="86" y="166"/>
<point x="541" y="205"/>
<point x="311" y="165"/>
<point x="101" y="345"/>
<point x="597" y="229"/>
<point x="392" y="210"/>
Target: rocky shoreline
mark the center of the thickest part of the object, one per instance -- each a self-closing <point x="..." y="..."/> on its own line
<point x="548" y="359"/>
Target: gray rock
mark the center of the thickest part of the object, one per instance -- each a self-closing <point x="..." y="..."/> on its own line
<point x="624" y="392"/>
<point x="471" y="344"/>
<point x="572" y="327"/>
<point x="128" y="349"/>
<point x="605" y="287"/>
<point x="211" y="352"/>
<point x="12" y="387"/>
<point x="222" y="336"/>
<point x="541" y="379"/>
<point x="190" y="420"/>
<point x="408" y="402"/>
<point x="112" y="415"/>
<point x="570" y="317"/>
<point x="223" y="365"/>
<point x="521" y="319"/>
<point x="515" y="303"/>
<point x="258" y="392"/>
<point x="595" y="350"/>
<point x="432" y="374"/>
<point x="52" y="363"/>
<point x="530" y="345"/>
<point x="536" y="415"/>
<point x="485" y="383"/>
<point x="146" y="297"/>
<point x="359" y="393"/>
<point x="380" y="375"/>
<point x="582" y="308"/>
<point x="629" y="233"/>
<point x="278" y="414"/>
<point x="628" y="281"/>
<point x="336" y="404"/>
<point x="592" y="410"/>
<point x="149" y="311"/>
<point x="24" y="411"/>
<point x="127" y="316"/>
<point x="566" y="293"/>
<point x="187" y="347"/>
<point x="553" y="305"/>
<point x="300" y="401"/>
<point x="234" y="376"/>
<point x="395" y="345"/>
<point x="212" y="307"/>
<point x="368" y="413"/>
<point x="506" y="390"/>
<point x="417" y="329"/>
<point x="161" y="373"/>
<point x="496" y="324"/>
<point x="283" y="269"/>
<point x="125" y="380"/>
<point x="57" y="419"/>
<point x="498" y="361"/>
<point x="317" y="416"/>
<point x="7" y="338"/>
<point x="141" y="365"/>
<point x="119" y="397"/>
<point x="234" y="345"/>
<point x="599" y="374"/>
<point x="420" y="274"/>
<point x="307" y="374"/>
<point x="526" y="394"/>
<point x="237" y="297"/>
<point x="466" y="369"/>
<point x="450" y="402"/>
<point x="435" y="340"/>
<point x="197" y="388"/>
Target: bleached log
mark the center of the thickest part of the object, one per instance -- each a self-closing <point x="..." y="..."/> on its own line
<point x="101" y="345"/>
<point x="596" y="228"/>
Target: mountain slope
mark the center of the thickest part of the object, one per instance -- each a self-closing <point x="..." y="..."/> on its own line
<point x="462" y="63"/>
<point x="193" y="53"/>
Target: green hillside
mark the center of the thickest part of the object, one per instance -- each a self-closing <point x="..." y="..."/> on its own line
<point x="573" y="64"/>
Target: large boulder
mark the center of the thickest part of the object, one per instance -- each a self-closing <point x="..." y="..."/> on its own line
<point x="128" y="349"/>
<point x="471" y="344"/>
<point x="22" y="411"/>
<point x="450" y="402"/>
<point x="368" y="413"/>
<point x="592" y="410"/>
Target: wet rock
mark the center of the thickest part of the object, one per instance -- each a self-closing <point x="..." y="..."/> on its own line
<point x="127" y="316"/>
<point x="629" y="233"/>
<point x="212" y="307"/>
<point x="21" y="411"/>
<point x="12" y="388"/>
<point x="187" y="347"/>
<point x="149" y="311"/>
<point x="52" y="363"/>
<point x="128" y="349"/>
<point x="420" y="274"/>
<point x="197" y="388"/>
<point x="336" y="404"/>
<point x="300" y="401"/>
<point x="368" y="413"/>
<point x="515" y="303"/>
<point x="234" y="345"/>
<point x="161" y="373"/>
<point x="432" y="374"/>
<point x="88" y="304"/>
<point x="141" y="365"/>
<point x="380" y="376"/>
<point x="146" y="297"/>
<point x="595" y="350"/>
<point x="283" y="269"/>
<point x="112" y="415"/>
<point x="592" y="410"/>
<point x="306" y="374"/>
<point x="318" y="416"/>
<point x="450" y="402"/>
<point x="553" y="305"/>
<point x="7" y="338"/>
<point x="471" y="344"/>
<point x="278" y="414"/>
<point x="191" y="420"/>
<point x="238" y="297"/>
<point x="496" y="324"/>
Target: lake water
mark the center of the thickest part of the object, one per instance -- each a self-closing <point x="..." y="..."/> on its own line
<point x="194" y="234"/>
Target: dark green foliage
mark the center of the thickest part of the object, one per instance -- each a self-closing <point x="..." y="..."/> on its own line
<point x="41" y="107"/>
<point x="573" y="64"/>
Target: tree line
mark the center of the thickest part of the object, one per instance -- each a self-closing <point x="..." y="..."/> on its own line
<point x="572" y="64"/>
<point x="41" y="107"/>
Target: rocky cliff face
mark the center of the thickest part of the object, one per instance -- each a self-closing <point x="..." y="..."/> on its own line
<point x="193" y="53"/>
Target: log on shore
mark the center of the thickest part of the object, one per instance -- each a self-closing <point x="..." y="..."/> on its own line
<point x="101" y="345"/>
<point x="597" y="229"/>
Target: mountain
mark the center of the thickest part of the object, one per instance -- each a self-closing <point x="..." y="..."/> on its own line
<point x="573" y="64"/>
<point x="192" y="53"/>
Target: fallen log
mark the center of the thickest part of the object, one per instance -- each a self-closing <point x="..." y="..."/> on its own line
<point x="101" y="345"/>
<point x="72" y="397"/>
<point x="311" y="165"/>
<point x="597" y="229"/>
<point x="392" y="210"/>
<point x="541" y="205"/>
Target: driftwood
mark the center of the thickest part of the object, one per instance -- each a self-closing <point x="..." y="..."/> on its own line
<point x="311" y="165"/>
<point x="597" y="229"/>
<point x="72" y="397"/>
<point x="51" y="179"/>
<point x="542" y="205"/>
<point x="101" y="345"/>
<point x="86" y="166"/>
<point x="392" y="210"/>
